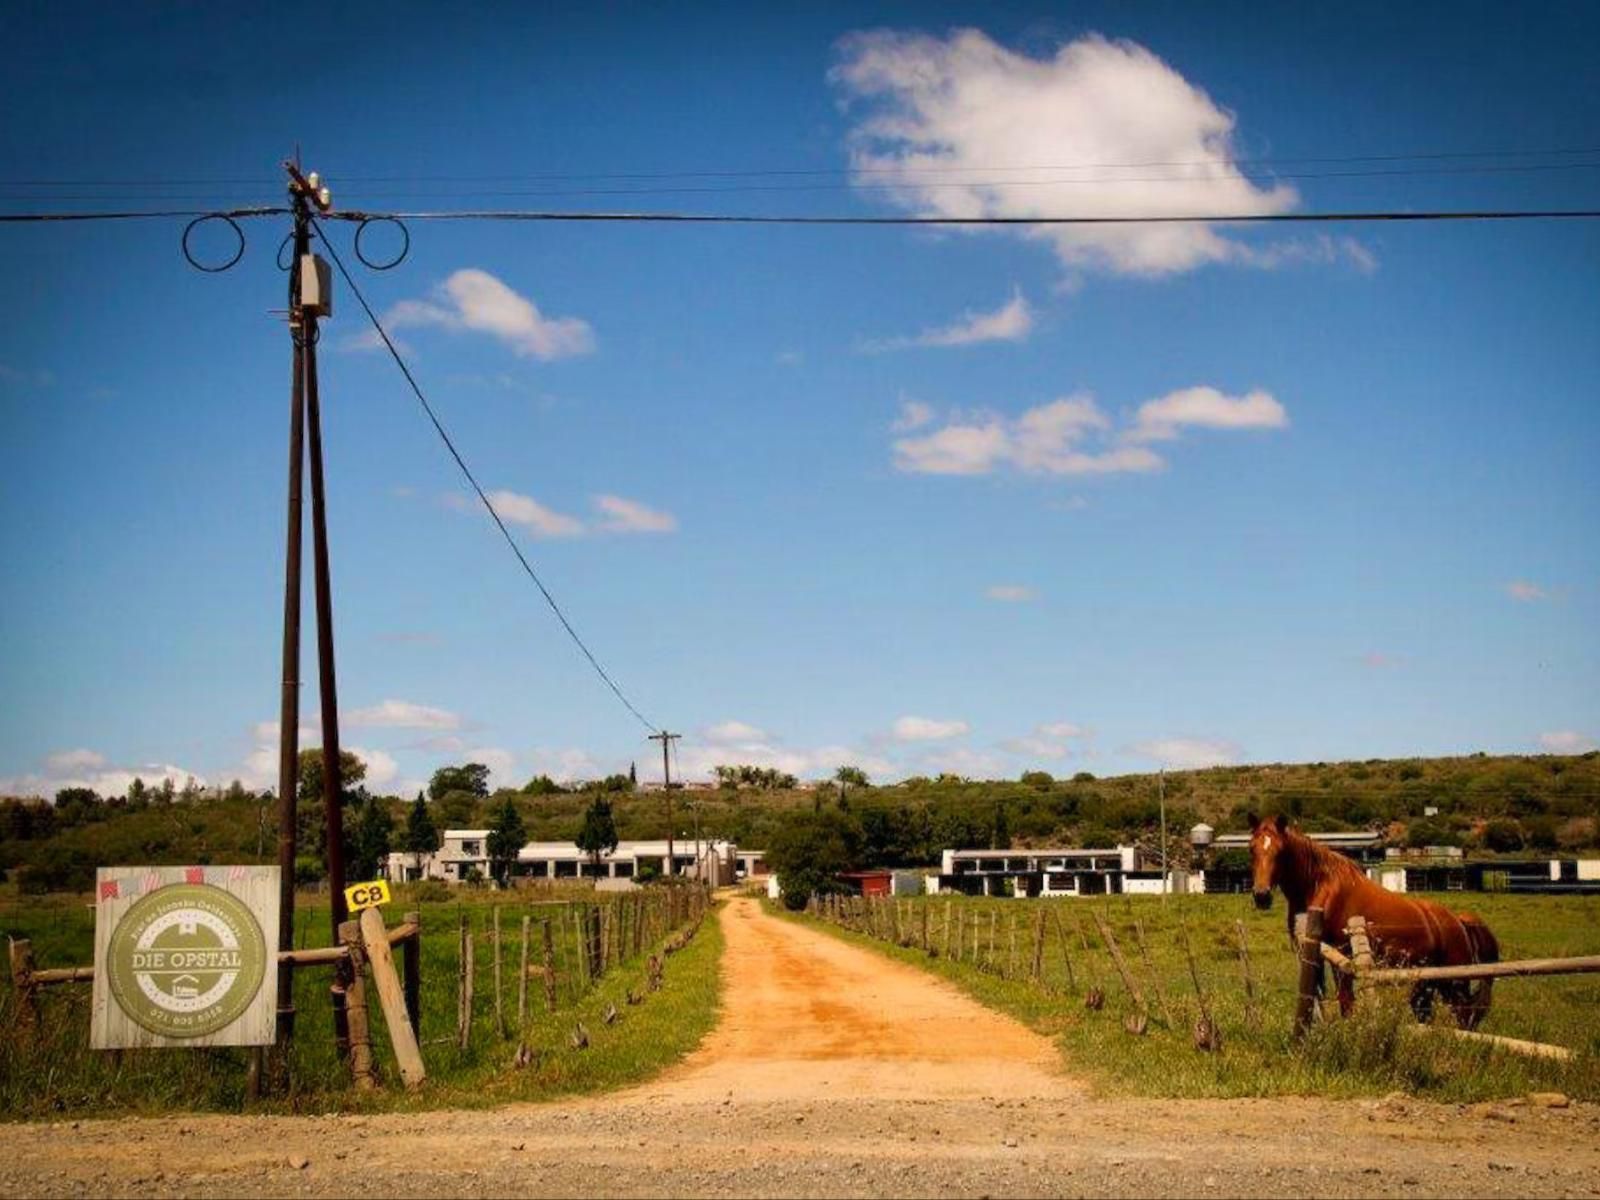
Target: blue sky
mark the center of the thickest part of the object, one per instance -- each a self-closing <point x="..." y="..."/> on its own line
<point x="921" y="500"/>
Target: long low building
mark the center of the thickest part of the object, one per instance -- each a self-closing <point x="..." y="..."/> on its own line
<point x="463" y="856"/>
<point x="1057" y="871"/>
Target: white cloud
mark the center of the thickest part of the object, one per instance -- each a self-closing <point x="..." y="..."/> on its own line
<point x="1052" y="739"/>
<point x="381" y="767"/>
<point x="914" y="414"/>
<point x="472" y="300"/>
<point x="501" y="764"/>
<point x="1011" y="593"/>
<point x="529" y="513"/>
<point x="1100" y="128"/>
<point x="789" y="358"/>
<point x="399" y="714"/>
<point x="617" y="514"/>
<point x="733" y="731"/>
<point x="565" y="764"/>
<point x="1188" y="753"/>
<point x="927" y="729"/>
<point x="1567" y="741"/>
<point x="1205" y="408"/>
<point x="1072" y="436"/>
<point x="1521" y="589"/>
<point x="1011" y="322"/>
<point x="90" y="769"/>
<point x="629" y="516"/>
<point x="68" y="761"/>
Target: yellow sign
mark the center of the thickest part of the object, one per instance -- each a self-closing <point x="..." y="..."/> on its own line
<point x="366" y="895"/>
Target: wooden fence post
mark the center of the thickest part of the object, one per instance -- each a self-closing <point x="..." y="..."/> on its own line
<point x="549" y="967"/>
<point x="1308" y="940"/>
<point x="1361" y="957"/>
<point x="1036" y="969"/>
<point x="1011" y="958"/>
<point x="499" y="1010"/>
<point x="1121" y="964"/>
<point x="468" y="974"/>
<point x="411" y="969"/>
<point x="923" y="909"/>
<point x="355" y="1007"/>
<point x="947" y="906"/>
<point x="994" y="924"/>
<point x="375" y="944"/>
<point x="1207" y="1036"/>
<point x="522" y="977"/>
<point x="22" y="967"/>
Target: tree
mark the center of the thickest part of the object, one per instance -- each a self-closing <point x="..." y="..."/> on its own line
<point x="851" y="776"/>
<point x="1039" y="779"/>
<point x="311" y="823"/>
<point x="633" y="776"/>
<point x="165" y="792"/>
<point x="507" y="835"/>
<point x="422" y="836"/>
<point x="369" y="842"/>
<point x="1000" y="835"/>
<point x="138" y="795"/>
<point x="808" y="852"/>
<point x="598" y="834"/>
<point x="1502" y="836"/>
<point x="542" y="785"/>
<point x="77" y="805"/>
<point x="471" y="778"/>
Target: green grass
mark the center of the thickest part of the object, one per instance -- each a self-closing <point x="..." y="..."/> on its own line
<point x="1375" y="1052"/>
<point x="53" y="1072"/>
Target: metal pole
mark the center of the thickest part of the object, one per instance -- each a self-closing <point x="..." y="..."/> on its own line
<point x="289" y="702"/>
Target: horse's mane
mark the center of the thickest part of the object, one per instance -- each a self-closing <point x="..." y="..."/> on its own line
<point x="1315" y="863"/>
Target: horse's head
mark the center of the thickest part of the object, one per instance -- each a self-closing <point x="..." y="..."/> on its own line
<point x="1266" y="843"/>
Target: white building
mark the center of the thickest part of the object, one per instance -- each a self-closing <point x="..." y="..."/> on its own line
<point x="463" y="854"/>
<point x="1052" y="872"/>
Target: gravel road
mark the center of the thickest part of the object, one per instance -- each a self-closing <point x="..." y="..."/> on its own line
<point x="836" y="1072"/>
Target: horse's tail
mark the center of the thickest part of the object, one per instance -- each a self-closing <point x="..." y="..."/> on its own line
<point x="1485" y="949"/>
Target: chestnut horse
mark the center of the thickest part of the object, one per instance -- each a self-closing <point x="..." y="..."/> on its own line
<point x="1403" y="931"/>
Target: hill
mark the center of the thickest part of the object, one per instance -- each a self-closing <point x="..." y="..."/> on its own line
<point x="1487" y="804"/>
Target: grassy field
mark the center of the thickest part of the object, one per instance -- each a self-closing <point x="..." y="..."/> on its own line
<point x="52" y="1072"/>
<point x="1375" y="1052"/>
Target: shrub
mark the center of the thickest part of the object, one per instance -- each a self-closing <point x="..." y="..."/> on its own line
<point x="1502" y="836"/>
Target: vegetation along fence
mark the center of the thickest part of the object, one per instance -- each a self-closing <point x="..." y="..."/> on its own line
<point x="1122" y="980"/>
<point x="474" y="974"/>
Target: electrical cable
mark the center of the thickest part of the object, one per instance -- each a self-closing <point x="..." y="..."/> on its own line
<point x="472" y="479"/>
<point x="691" y="218"/>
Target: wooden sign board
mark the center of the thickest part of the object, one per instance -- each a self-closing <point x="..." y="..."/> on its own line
<point x="185" y="956"/>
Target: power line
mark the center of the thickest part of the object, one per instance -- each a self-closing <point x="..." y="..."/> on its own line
<point x="758" y="172"/>
<point x="1355" y="216"/>
<point x="1228" y="174"/>
<point x="472" y="479"/>
<point x="691" y="218"/>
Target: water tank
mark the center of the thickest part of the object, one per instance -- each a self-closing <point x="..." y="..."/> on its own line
<point x="1200" y="836"/>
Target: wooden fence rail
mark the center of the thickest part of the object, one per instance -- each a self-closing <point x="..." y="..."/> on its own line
<point x="1366" y="973"/>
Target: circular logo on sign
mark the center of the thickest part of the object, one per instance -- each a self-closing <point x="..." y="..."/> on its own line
<point x="186" y="960"/>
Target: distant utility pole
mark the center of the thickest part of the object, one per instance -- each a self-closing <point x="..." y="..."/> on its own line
<point x="310" y="299"/>
<point x="666" y="739"/>
<point x="1161" y="798"/>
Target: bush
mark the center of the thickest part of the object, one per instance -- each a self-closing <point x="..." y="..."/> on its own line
<point x="1502" y="836"/>
<point x="56" y="870"/>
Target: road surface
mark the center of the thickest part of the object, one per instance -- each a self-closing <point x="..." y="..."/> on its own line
<point x="835" y="1071"/>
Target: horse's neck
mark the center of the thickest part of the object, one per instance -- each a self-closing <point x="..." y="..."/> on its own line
<point x="1310" y="873"/>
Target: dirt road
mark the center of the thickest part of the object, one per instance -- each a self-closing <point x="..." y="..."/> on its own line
<point x="835" y="1072"/>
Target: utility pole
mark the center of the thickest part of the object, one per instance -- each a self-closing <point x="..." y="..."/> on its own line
<point x="1161" y="797"/>
<point x="289" y="701"/>
<point x="310" y="299"/>
<point x="666" y="739"/>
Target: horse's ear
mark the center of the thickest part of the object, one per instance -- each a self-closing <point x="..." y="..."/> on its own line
<point x="1283" y="823"/>
<point x="1255" y="822"/>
